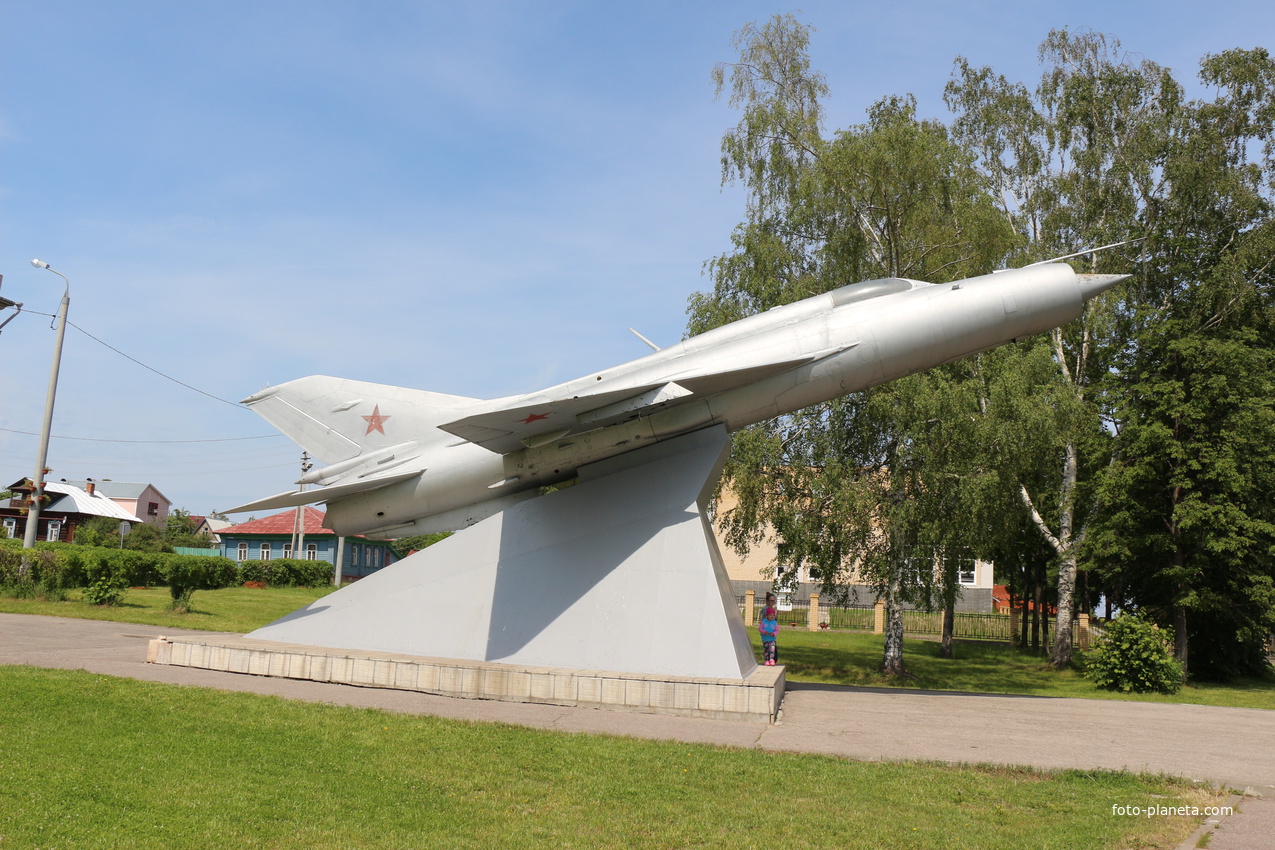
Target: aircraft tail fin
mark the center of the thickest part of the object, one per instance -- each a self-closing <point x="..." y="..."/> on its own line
<point x="336" y="419"/>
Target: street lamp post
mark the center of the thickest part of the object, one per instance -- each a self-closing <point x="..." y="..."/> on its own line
<point x="37" y="491"/>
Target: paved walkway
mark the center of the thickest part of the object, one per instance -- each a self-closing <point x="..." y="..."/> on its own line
<point x="1234" y="746"/>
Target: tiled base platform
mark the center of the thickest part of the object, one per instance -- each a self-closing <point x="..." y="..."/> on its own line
<point x="755" y="698"/>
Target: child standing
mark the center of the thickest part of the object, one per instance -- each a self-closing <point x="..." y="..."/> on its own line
<point x="769" y="629"/>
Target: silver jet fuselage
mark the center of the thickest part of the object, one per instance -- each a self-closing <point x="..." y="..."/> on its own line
<point x="449" y="461"/>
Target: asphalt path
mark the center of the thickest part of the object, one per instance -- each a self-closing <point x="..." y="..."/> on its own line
<point x="1230" y="746"/>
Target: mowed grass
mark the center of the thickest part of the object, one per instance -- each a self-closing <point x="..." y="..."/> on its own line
<point x="851" y="658"/>
<point x="838" y="658"/>
<point x="94" y="761"/>
<point x="231" y="609"/>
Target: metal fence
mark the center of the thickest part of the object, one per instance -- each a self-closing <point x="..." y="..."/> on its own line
<point x="966" y="625"/>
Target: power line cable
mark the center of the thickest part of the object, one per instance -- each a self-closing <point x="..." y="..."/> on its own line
<point x="156" y="371"/>
<point x="143" y="365"/>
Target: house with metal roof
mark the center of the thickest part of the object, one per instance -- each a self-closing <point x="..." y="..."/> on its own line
<point x="142" y="500"/>
<point x="66" y="507"/>
<point x="274" y="537"/>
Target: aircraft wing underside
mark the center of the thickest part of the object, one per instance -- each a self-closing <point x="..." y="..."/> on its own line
<point x="514" y="428"/>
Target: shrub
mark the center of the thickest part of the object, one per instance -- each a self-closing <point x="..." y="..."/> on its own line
<point x="187" y="573"/>
<point x="1135" y="655"/>
<point x="287" y="572"/>
<point x="106" y="588"/>
<point x="103" y="575"/>
<point x="45" y="577"/>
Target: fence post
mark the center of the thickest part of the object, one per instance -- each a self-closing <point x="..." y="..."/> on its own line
<point x="1084" y="631"/>
<point x="1013" y="626"/>
<point x="878" y="618"/>
<point x="812" y="621"/>
<point x="750" y="601"/>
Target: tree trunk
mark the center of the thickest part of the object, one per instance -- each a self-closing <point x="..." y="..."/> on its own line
<point x="1180" y="648"/>
<point x="1061" y="656"/>
<point x="1065" y="544"/>
<point x="892" y="659"/>
<point x="1038" y="599"/>
<point x="1025" y="615"/>
<point x="1044" y="622"/>
<point x="949" y="626"/>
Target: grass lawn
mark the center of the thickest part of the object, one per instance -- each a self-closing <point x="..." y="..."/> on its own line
<point x="838" y="658"/>
<point x="95" y="761"/>
<point x="851" y="658"/>
<point x="231" y="609"/>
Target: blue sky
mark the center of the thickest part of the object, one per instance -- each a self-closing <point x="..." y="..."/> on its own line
<point x="471" y="198"/>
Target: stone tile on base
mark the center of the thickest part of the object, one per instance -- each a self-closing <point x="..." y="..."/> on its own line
<point x="755" y="697"/>
<point x="637" y="693"/>
<point x="589" y="690"/>
<point x="613" y="691"/>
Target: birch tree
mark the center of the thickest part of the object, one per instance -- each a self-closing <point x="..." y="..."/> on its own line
<point x="1074" y="164"/>
<point x="843" y="485"/>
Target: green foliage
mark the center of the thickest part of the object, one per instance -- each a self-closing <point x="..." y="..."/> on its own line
<point x="1143" y="430"/>
<point x="287" y="572"/>
<point x="144" y="537"/>
<point x="187" y="573"/>
<point x="404" y="546"/>
<point x="105" y="588"/>
<point x="1135" y="655"/>
<point x="133" y="568"/>
<point x="1186" y="527"/>
<point x="846" y="485"/>
<point x="99" y="531"/>
<point x="107" y="573"/>
<point x="180" y="531"/>
<point x="45" y="577"/>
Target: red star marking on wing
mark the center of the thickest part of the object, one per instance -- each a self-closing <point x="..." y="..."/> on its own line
<point x="533" y="417"/>
<point x="375" y="422"/>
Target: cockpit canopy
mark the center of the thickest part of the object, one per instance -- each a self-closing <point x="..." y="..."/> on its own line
<point x="869" y="289"/>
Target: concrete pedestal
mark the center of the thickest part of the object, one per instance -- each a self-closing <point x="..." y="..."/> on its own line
<point x="754" y="698"/>
<point x="620" y="572"/>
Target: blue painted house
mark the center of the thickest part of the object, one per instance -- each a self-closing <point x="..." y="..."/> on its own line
<point x="272" y="537"/>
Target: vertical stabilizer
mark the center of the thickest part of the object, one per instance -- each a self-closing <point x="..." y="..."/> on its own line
<point x="336" y="419"/>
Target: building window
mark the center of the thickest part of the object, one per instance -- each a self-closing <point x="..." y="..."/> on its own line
<point x="152" y="509"/>
<point x="243" y="551"/>
<point x="265" y="551"/>
<point x="287" y="550"/>
<point x="965" y="571"/>
<point x="311" y="551"/>
<point x="11" y="526"/>
<point x="55" y="530"/>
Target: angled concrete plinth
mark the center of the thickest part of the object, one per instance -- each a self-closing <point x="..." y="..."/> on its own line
<point x="620" y="572"/>
<point x="755" y="697"/>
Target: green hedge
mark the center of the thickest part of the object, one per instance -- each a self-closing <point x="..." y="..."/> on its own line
<point x="287" y="572"/>
<point x="45" y="577"/>
<point x="56" y="567"/>
<point x="184" y="574"/>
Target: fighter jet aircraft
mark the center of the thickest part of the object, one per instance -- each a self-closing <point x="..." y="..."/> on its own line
<point x="402" y="461"/>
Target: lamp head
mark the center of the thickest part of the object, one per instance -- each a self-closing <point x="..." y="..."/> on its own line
<point x="39" y="264"/>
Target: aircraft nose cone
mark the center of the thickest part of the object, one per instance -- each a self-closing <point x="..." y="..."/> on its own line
<point x="1093" y="284"/>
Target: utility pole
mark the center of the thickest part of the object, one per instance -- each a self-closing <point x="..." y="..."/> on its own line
<point x="37" y="480"/>
<point x="305" y="467"/>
